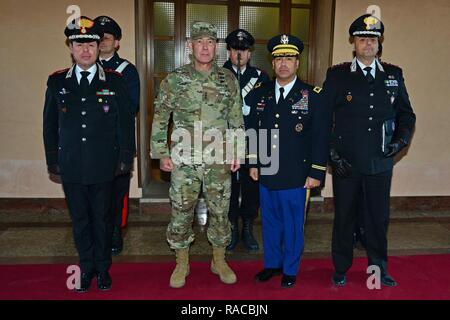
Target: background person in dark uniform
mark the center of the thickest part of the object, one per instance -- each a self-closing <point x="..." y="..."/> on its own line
<point x="373" y="121"/>
<point x="88" y="137"/>
<point x="298" y="121"/>
<point x="239" y="46"/>
<point x="109" y="59"/>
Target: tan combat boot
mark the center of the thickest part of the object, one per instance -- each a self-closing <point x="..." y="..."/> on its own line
<point x="178" y="277"/>
<point x="220" y="267"/>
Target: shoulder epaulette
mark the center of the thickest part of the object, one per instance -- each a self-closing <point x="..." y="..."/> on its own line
<point x="114" y="71"/>
<point x="60" y="71"/>
<point x="341" y="65"/>
<point x="385" y="64"/>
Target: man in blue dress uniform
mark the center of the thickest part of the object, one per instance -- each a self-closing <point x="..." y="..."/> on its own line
<point x="110" y="59"/>
<point x="88" y="136"/>
<point x="298" y="123"/>
<point x="373" y="121"/>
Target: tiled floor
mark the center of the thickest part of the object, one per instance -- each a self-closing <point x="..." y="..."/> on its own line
<point x="46" y="237"/>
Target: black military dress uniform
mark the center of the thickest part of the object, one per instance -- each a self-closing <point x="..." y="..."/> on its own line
<point x="242" y="185"/>
<point x="88" y="137"/>
<point x="367" y="110"/>
<point x="121" y="187"/>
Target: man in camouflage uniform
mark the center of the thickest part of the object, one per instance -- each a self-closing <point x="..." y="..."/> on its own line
<point x="201" y="96"/>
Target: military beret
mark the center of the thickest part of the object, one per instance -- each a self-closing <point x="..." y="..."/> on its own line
<point x="200" y="29"/>
<point x="285" y="46"/>
<point x="110" y="26"/>
<point x="83" y="29"/>
<point x="239" y="39"/>
<point x="367" y="26"/>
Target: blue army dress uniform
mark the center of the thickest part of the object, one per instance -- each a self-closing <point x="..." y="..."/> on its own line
<point x="369" y="105"/>
<point x="88" y="132"/>
<point x="298" y="130"/>
<point x="121" y="187"/>
<point x="242" y="185"/>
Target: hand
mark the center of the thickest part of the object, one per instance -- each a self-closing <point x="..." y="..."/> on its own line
<point x="166" y="164"/>
<point x="54" y="169"/>
<point x="253" y="172"/>
<point x="311" y="183"/>
<point x="394" y="147"/>
<point x="123" y="168"/>
<point x="235" y="165"/>
<point x="341" y="167"/>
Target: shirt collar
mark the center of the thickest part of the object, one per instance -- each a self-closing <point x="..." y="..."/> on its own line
<point x="287" y="88"/>
<point x="106" y="60"/>
<point x="92" y="70"/>
<point x="362" y="65"/>
<point x="242" y="70"/>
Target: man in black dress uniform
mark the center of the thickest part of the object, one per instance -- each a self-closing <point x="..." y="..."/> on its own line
<point x="88" y="136"/>
<point x="110" y="59"/>
<point x="239" y="46"/>
<point x="373" y="121"/>
<point x="297" y="120"/>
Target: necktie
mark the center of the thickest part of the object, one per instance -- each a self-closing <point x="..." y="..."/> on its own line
<point x="281" y="99"/>
<point x="84" y="82"/>
<point x="369" y="76"/>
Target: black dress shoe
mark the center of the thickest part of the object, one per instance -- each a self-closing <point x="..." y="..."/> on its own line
<point x="104" y="281"/>
<point x="85" y="282"/>
<point x="288" y="281"/>
<point x="267" y="273"/>
<point x="339" y="280"/>
<point x="388" y="281"/>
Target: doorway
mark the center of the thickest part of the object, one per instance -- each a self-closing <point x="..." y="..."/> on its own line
<point x="163" y="28"/>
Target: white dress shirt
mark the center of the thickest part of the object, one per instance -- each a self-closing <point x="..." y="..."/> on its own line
<point x="287" y="89"/>
<point x="92" y="71"/>
<point x="373" y="66"/>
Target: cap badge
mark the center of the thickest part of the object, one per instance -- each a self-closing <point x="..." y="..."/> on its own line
<point x="85" y="23"/>
<point x="370" y="22"/>
<point x="299" y="127"/>
<point x="104" y="20"/>
<point x="241" y="35"/>
<point x="284" y="39"/>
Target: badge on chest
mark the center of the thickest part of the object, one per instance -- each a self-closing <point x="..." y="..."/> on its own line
<point x="301" y="105"/>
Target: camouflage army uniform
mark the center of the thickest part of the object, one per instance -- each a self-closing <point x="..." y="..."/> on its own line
<point x="214" y="99"/>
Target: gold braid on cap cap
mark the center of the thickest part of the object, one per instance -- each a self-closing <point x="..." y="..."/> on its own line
<point x="285" y="49"/>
